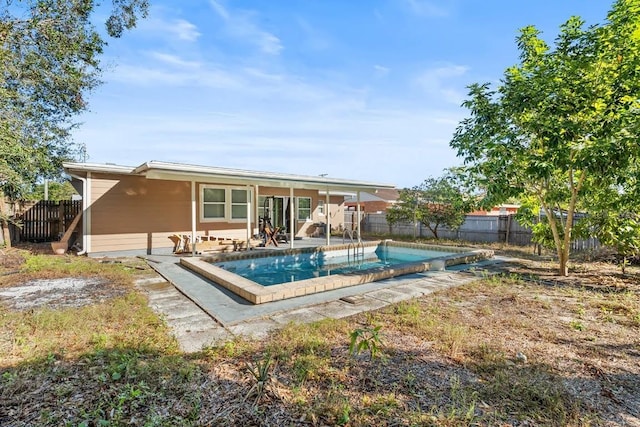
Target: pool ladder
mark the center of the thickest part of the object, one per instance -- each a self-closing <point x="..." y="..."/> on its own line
<point x="355" y="249"/>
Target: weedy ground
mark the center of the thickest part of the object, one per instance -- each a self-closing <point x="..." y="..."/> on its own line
<point x="522" y="347"/>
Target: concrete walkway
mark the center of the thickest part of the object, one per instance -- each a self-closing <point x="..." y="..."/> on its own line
<point x="201" y="313"/>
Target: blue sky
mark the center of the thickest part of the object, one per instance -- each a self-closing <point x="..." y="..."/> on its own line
<point x="359" y="89"/>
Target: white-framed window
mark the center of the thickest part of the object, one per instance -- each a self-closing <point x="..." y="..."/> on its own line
<point x="238" y="204"/>
<point x="321" y="207"/>
<point x="213" y="201"/>
<point x="219" y="203"/>
<point x="303" y="208"/>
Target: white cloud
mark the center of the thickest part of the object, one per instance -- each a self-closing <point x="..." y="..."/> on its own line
<point x="440" y="82"/>
<point x="268" y="43"/>
<point x="148" y="76"/>
<point x="184" y="30"/>
<point x="219" y="9"/>
<point x="174" y="60"/>
<point x="159" y="27"/>
<point x="314" y="39"/>
<point x="381" y="71"/>
<point x="264" y="75"/>
<point x="240" y="25"/>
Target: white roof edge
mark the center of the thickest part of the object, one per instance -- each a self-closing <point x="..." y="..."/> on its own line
<point x="319" y="181"/>
<point x="98" y="167"/>
<point x="260" y="175"/>
<point x="352" y="193"/>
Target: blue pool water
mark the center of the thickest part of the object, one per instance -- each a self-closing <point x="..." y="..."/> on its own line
<point x="276" y="270"/>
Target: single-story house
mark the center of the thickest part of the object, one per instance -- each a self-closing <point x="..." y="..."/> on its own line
<point x="140" y="208"/>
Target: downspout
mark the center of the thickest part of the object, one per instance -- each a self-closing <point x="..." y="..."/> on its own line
<point x="85" y="211"/>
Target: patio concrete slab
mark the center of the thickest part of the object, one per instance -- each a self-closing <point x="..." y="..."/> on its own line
<point x="411" y="291"/>
<point x="192" y="328"/>
<point x="301" y="315"/>
<point x="339" y="309"/>
<point x="171" y="305"/>
<point x="336" y="309"/>
<point x="255" y="329"/>
<point x="388" y="295"/>
<point x="187" y="313"/>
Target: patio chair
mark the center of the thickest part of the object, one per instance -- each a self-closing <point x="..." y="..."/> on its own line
<point x="178" y="243"/>
<point x="268" y="232"/>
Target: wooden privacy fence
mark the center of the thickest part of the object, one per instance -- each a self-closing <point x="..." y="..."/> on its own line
<point x="476" y="228"/>
<point x="45" y="221"/>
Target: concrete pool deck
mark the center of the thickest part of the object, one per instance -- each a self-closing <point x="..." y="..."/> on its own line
<point x="235" y="316"/>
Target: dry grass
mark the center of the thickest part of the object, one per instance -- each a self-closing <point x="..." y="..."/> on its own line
<point x="519" y="348"/>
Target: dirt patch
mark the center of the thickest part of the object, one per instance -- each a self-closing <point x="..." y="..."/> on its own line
<point x="10" y="261"/>
<point x="59" y="293"/>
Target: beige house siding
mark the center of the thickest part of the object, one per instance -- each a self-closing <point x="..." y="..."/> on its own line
<point x="319" y="216"/>
<point x="135" y="213"/>
<point x="131" y="212"/>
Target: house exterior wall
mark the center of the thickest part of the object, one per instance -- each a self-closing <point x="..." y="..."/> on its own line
<point x="134" y="213"/>
<point x="131" y="212"/>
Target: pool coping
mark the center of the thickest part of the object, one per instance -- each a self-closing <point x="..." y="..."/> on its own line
<point x="258" y="294"/>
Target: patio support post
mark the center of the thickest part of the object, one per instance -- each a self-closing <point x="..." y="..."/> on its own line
<point x="193" y="218"/>
<point x="248" y="216"/>
<point x="328" y="216"/>
<point x="257" y="208"/>
<point x="358" y="214"/>
<point x="292" y="212"/>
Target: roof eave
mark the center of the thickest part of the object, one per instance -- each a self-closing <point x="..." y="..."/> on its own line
<point x="170" y="171"/>
<point x="97" y="167"/>
<point x="185" y="172"/>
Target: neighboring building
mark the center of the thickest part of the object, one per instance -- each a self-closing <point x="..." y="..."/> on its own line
<point x="376" y="202"/>
<point x="138" y="208"/>
<point x="504" y="209"/>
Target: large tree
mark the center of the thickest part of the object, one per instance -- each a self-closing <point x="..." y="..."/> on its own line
<point x="615" y="217"/>
<point x="49" y="51"/>
<point x="435" y="203"/>
<point x="562" y="123"/>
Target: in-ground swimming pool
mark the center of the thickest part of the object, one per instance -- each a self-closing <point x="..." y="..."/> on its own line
<point x="392" y="259"/>
<point x="275" y="270"/>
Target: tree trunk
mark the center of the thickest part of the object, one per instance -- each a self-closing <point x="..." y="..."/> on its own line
<point x="563" y="268"/>
<point x="5" y="234"/>
<point x="5" y="225"/>
<point x="560" y="251"/>
<point x="434" y="230"/>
